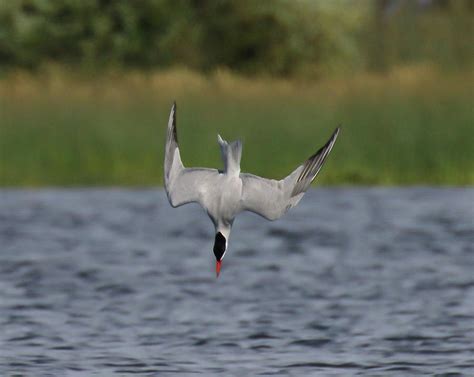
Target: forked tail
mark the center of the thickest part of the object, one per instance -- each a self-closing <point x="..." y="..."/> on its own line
<point x="231" y="155"/>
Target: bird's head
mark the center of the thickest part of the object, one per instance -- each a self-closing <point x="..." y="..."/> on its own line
<point x="220" y="246"/>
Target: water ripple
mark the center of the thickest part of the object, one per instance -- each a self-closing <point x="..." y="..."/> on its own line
<point x="362" y="281"/>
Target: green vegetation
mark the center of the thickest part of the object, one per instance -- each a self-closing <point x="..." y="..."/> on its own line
<point x="413" y="126"/>
<point x="270" y="37"/>
<point x="86" y="87"/>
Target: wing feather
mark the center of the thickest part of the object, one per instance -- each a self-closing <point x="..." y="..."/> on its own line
<point x="183" y="185"/>
<point x="271" y="198"/>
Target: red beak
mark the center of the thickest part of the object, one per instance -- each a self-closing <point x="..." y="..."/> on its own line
<point x="218" y="268"/>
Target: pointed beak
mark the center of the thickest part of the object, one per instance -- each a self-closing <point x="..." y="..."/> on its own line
<point x="218" y="268"/>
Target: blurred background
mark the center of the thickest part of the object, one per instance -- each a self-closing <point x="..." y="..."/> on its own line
<point x="86" y="87"/>
<point x="354" y="281"/>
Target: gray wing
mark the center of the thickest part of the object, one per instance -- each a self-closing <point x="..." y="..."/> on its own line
<point x="183" y="185"/>
<point x="271" y="198"/>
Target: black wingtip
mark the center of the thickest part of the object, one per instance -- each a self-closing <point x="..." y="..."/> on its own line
<point x="175" y="132"/>
<point x="316" y="160"/>
<point x="333" y="137"/>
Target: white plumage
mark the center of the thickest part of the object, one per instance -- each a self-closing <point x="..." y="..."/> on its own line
<point x="225" y="193"/>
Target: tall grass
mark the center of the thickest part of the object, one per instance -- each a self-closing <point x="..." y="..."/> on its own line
<point x="413" y="126"/>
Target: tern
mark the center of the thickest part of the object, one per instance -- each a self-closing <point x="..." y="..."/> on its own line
<point x="223" y="194"/>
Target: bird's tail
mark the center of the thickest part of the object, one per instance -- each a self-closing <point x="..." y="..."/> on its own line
<point x="231" y="155"/>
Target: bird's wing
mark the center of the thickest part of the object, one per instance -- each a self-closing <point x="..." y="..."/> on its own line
<point x="271" y="198"/>
<point x="183" y="185"/>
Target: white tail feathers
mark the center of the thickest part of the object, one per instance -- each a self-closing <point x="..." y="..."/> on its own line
<point x="231" y="155"/>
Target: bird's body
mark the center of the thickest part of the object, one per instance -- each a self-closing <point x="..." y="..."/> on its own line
<point x="225" y="193"/>
<point x="222" y="203"/>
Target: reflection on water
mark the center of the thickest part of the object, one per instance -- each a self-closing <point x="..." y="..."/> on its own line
<point x="353" y="281"/>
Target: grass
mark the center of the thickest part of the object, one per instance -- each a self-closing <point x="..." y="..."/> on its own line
<point x="413" y="126"/>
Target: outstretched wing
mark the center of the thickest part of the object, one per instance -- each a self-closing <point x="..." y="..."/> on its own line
<point x="183" y="185"/>
<point x="271" y="198"/>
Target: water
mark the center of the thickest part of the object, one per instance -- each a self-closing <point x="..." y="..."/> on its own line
<point x="371" y="282"/>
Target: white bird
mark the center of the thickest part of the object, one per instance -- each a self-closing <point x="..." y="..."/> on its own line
<point x="225" y="193"/>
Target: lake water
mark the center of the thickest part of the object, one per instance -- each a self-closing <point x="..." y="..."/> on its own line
<point x="370" y="282"/>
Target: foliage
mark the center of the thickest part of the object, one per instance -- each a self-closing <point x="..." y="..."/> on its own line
<point x="278" y="36"/>
<point x="274" y="37"/>
<point x="406" y="32"/>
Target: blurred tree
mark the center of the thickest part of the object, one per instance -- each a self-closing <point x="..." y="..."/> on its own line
<point x="278" y="37"/>
<point x="409" y="31"/>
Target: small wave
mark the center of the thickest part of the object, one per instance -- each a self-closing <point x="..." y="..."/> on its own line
<point x="325" y="365"/>
<point x="315" y="343"/>
<point x="261" y="335"/>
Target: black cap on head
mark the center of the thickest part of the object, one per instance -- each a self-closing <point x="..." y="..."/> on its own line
<point x="219" y="246"/>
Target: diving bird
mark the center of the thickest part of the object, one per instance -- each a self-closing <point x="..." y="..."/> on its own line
<point x="223" y="194"/>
